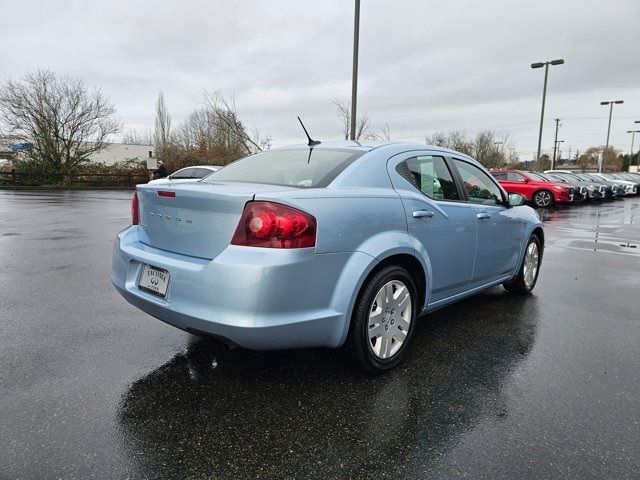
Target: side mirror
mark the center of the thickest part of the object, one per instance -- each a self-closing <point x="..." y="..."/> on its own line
<point x="516" y="200"/>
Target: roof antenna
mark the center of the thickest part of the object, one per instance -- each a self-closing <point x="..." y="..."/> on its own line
<point x="312" y="143"/>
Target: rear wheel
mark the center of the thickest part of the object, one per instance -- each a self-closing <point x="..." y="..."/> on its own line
<point x="543" y="199"/>
<point x="383" y="320"/>
<point x="529" y="269"/>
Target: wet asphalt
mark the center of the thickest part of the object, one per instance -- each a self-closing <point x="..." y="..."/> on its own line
<point x="497" y="386"/>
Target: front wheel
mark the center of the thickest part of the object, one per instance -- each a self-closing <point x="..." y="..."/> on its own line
<point x="383" y="320"/>
<point x="529" y="269"/>
<point x="543" y="199"/>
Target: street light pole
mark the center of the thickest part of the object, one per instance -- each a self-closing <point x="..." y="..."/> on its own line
<point x="354" y="77"/>
<point x="560" y="61"/>
<point x="633" y="135"/>
<point x="606" y="148"/>
<point x="555" y="143"/>
<point x="638" y="159"/>
<point x="556" y="148"/>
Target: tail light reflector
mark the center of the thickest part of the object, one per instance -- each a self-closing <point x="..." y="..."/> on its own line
<point x="273" y="225"/>
<point x="135" y="210"/>
<point x="164" y="193"/>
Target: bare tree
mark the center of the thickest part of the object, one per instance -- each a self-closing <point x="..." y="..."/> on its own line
<point x="66" y="122"/>
<point x="225" y="116"/>
<point x="455" y="140"/>
<point x="383" y="134"/>
<point x="138" y="137"/>
<point x="162" y="126"/>
<point x="488" y="146"/>
<point x="343" y="111"/>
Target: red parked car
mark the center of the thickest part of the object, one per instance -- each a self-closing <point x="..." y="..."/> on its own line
<point x="536" y="189"/>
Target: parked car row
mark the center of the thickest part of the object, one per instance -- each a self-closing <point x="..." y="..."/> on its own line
<point x="552" y="187"/>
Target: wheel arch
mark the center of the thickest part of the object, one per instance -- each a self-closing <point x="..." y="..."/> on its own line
<point x="402" y="258"/>
<point x="413" y="266"/>
<point x="539" y="232"/>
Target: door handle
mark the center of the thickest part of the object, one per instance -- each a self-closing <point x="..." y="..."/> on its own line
<point x="483" y="215"/>
<point x="422" y="214"/>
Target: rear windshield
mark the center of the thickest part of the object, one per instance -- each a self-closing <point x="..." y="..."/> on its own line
<point x="302" y="168"/>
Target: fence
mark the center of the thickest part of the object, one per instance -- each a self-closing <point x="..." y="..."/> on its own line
<point x="89" y="180"/>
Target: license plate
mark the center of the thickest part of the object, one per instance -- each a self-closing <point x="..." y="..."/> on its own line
<point x="154" y="280"/>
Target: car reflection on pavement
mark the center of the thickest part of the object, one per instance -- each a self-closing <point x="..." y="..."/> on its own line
<point x="214" y="412"/>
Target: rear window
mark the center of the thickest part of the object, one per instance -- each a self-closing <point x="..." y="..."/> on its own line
<point x="302" y="168"/>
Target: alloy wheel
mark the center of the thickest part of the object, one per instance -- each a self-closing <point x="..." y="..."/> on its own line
<point x="389" y="319"/>
<point x="543" y="199"/>
<point x="531" y="261"/>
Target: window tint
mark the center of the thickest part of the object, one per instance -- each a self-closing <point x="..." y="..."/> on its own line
<point x="479" y="186"/>
<point x="184" y="173"/>
<point x="499" y="175"/>
<point x="300" y="167"/>
<point x="430" y="175"/>
<point x="202" y="172"/>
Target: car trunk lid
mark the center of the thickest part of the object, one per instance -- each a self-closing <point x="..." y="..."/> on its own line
<point x="197" y="219"/>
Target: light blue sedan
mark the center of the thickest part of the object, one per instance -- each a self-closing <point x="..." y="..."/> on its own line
<point x="336" y="244"/>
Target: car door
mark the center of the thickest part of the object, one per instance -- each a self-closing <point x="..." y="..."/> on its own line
<point x="499" y="228"/>
<point x="441" y="223"/>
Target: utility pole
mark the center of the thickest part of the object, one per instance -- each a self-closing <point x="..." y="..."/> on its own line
<point x="354" y="77"/>
<point x="555" y="143"/>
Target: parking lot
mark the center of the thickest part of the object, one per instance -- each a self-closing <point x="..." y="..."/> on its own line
<point x="497" y="386"/>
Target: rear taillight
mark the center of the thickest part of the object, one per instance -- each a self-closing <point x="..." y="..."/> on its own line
<point x="135" y="210"/>
<point x="273" y="225"/>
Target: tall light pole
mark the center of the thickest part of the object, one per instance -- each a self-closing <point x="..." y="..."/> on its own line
<point x="556" y="148"/>
<point x="560" y="61"/>
<point x="555" y="143"/>
<point x="354" y="77"/>
<point x="606" y="148"/>
<point x="633" y="134"/>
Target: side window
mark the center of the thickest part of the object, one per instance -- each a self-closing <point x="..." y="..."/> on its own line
<point x="202" y="172"/>
<point x="499" y="175"/>
<point x="184" y="173"/>
<point x="479" y="186"/>
<point x="515" y="177"/>
<point x="430" y="175"/>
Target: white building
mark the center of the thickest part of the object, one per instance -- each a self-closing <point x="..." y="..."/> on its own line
<point x="115" y="152"/>
<point x="118" y="152"/>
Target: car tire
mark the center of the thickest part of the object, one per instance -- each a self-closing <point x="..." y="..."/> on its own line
<point x="382" y="308"/>
<point x="527" y="276"/>
<point x="543" y="199"/>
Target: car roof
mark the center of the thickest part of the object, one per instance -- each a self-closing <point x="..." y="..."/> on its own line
<point x="369" y="145"/>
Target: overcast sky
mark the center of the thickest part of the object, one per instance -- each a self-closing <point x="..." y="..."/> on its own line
<point x="424" y="65"/>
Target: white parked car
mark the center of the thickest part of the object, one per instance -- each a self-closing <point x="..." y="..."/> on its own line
<point x="187" y="175"/>
<point x="630" y="187"/>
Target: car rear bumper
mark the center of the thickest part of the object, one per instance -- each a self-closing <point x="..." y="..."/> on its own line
<point x="257" y="298"/>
